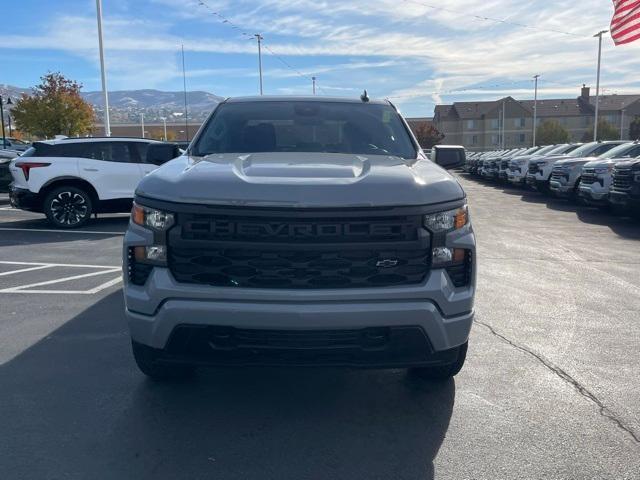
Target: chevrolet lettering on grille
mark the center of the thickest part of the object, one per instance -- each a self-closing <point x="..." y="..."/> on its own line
<point x="226" y="229"/>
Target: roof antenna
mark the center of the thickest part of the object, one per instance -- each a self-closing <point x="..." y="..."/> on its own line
<point x="364" y="97"/>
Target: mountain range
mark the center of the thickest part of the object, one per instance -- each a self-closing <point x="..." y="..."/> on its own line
<point x="126" y="106"/>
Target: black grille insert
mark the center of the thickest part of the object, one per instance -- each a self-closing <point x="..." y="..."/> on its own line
<point x="622" y="179"/>
<point x="306" y="250"/>
<point x="232" y="267"/>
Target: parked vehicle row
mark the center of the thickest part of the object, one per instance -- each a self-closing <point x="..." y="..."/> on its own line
<point x="596" y="173"/>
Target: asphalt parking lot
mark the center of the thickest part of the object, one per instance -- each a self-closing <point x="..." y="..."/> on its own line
<point x="550" y="388"/>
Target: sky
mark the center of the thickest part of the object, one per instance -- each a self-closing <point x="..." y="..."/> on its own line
<point x="405" y="50"/>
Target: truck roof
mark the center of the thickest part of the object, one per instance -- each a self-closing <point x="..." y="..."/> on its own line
<point x="302" y="98"/>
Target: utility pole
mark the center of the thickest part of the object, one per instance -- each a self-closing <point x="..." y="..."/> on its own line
<point x="259" y="38"/>
<point x="621" y="124"/>
<point x="184" y="88"/>
<point x="595" y="125"/>
<point x="103" y="73"/>
<point x="142" y="123"/>
<point x="313" y="79"/>
<point x="535" y="110"/>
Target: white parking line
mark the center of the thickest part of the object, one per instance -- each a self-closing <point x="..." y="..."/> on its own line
<point x="93" y="291"/>
<point x="48" y="230"/>
<point x="6" y="262"/>
<point x="33" y="266"/>
<point x="21" y="270"/>
<point x="58" y="280"/>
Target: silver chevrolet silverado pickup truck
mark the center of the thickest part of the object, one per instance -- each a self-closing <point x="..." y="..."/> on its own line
<point x="300" y="231"/>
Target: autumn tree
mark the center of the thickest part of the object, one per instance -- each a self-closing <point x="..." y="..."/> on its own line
<point x="54" y="108"/>
<point x="551" y="132"/>
<point x="427" y="135"/>
<point x="606" y="131"/>
<point x="634" y="129"/>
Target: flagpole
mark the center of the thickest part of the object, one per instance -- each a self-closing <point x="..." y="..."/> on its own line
<point x="595" y="125"/>
<point x="103" y="73"/>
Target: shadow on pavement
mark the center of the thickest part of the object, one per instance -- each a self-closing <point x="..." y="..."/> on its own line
<point x="104" y="227"/>
<point x="75" y="406"/>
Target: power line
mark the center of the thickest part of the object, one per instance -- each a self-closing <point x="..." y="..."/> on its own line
<point x="493" y="19"/>
<point x="482" y="87"/>
<point x="249" y="36"/>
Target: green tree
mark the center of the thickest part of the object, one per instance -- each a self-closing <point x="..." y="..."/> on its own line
<point x="551" y="132"/>
<point x="606" y="131"/>
<point x="54" y="108"/>
<point x="634" y="129"/>
<point x="427" y="135"/>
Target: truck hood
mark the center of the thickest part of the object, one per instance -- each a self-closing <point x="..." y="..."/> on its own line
<point x="572" y="162"/>
<point x="605" y="162"/>
<point x="301" y="180"/>
<point x="549" y="159"/>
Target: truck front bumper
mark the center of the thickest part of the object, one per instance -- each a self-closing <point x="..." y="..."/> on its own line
<point x="417" y="314"/>
<point x="624" y="200"/>
<point x="560" y="189"/>
<point x="592" y="197"/>
<point x="517" y="179"/>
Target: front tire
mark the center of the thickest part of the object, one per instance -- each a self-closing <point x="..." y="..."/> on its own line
<point x="444" y="372"/>
<point x="147" y="360"/>
<point x="68" y="207"/>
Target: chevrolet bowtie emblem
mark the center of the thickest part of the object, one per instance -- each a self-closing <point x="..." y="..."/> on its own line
<point x="387" y="263"/>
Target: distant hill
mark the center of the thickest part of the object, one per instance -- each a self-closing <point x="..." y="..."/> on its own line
<point x="126" y="106"/>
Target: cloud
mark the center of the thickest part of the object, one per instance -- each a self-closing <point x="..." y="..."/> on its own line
<point x="400" y="48"/>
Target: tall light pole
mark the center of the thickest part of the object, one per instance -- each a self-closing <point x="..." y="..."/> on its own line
<point x="107" y="125"/>
<point x="184" y="89"/>
<point x="4" y="138"/>
<point x="313" y="79"/>
<point x="504" y="140"/>
<point x="595" y="125"/>
<point x="142" y="123"/>
<point x="259" y="38"/>
<point x="535" y="109"/>
<point x="164" y="123"/>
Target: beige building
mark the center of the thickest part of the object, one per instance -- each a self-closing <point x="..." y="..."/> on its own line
<point x="478" y="125"/>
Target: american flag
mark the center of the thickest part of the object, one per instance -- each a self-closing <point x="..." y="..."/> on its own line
<point x="625" y="26"/>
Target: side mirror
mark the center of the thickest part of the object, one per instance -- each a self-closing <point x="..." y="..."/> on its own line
<point x="449" y="158"/>
<point x="160" y="153"/>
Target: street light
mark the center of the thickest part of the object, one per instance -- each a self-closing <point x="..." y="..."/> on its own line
<point x="535" y="109"/>
<point x="259" y="38"/>
<point x="595" y="126"/>
<point x="9" y="102"/>
<point x="164" y="122"/>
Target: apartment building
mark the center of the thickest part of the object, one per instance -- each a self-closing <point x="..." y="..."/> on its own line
<point x="478" y="125"/>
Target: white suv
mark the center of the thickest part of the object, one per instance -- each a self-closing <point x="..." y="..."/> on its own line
<point x="70" y="179"/>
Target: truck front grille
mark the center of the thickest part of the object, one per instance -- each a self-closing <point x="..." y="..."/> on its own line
<point x="559" y="175"/>
<point x="622" y="179"/>
<point x="589" y="176"/>
<point x="298" y="252"/>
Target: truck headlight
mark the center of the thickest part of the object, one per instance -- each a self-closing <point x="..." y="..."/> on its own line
<point x="447" y="221"/>
<point x="151" y="218"/>
<point x="603" y="170"/>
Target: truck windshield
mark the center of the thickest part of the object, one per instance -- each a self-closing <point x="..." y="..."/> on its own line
<point x="305" y="126"/>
